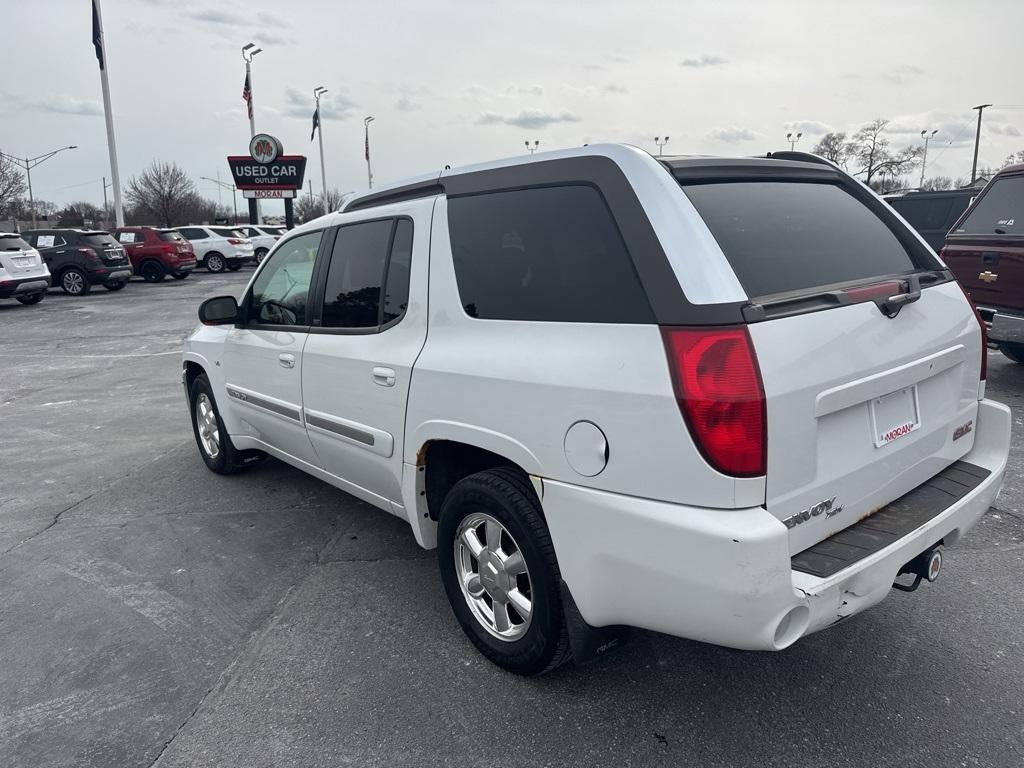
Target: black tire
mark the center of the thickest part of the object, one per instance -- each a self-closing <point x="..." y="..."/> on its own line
<point x="152" y="271"/>
<point x="228" y="459"/>
<point x="214" y="262"/>
<point x="115" y="286"/>
<point x="180" y="275"/>
<point x="506" y="495"/>
<point x="74" y="282"/>
<point x="32" y="298"/>
<point x="261" y="254"/>
<point x="234" y="266"/>
<point x="1013" y="351"/>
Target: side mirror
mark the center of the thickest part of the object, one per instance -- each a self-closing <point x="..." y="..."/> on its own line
<point x="220" y="310"/>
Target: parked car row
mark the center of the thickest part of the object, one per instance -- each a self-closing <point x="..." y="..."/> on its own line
<point x="77" y="260"/>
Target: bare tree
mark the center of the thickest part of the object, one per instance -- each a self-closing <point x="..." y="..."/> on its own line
<point x="869" y="149"/>
<point x="308" y="208"/>
<point x="834" y="147"/>
<point x="12" y="184"/>
<point x="937" y="183"/>
<point x="1015" y="159"/>
<point x="163" y="194"/>
<point x="77" y="213"/>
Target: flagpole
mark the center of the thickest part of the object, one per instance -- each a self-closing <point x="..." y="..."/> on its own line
<point x="108" y="114"/>
<point x="248" y="51"/>
<point x="318" y="92"/>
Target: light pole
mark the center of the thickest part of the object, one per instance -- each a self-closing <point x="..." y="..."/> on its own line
<point x="366" y="132"/>
<point x="317" y="93"/>
<point x="793" y="138"/>
<point x="531" y="150"/>
<point x="28" y="164"/>
<point x="225" y="185"/>
<point x="924" y="158"/>
<point x="661" y="142"/>
<point x="977" y="140"/>
<point x="249" y="50"/>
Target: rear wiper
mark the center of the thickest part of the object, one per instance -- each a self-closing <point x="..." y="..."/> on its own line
<point x="891" y="306"/>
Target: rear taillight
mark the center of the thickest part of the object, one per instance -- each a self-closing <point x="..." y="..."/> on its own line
<point x="236" y="241"/>
<point x="719" y="391"/>
<point x="165" y="248"/>
<point x="984" y="333"/>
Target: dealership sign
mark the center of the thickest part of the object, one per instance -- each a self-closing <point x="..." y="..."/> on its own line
<point x="269" y="194"/>
<point x="266" y="167"/>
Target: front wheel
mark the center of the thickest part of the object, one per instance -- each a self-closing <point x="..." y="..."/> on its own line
<point x="74" y="282"/>
<point x="33" y="298"/>
<point x="215" y="446"/>
<point x="499" y="571"/>
<point x="214" y="262"/>
<point x="1013" y="351"/>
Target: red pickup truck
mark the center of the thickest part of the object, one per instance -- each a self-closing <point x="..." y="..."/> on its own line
<point x="985" y="250"/>
<point x="156" y="253"/>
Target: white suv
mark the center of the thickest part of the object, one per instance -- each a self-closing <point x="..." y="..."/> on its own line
<point x="733" y="400"/>
<point x="218" y="248"/>
<point x="263" y="238"/>
<point x="23" y="273"/>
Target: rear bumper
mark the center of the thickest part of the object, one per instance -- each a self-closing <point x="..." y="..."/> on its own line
<point x="725" y="576"/>
<point x="20" y="286"/>
<point x="1003" y="326"/>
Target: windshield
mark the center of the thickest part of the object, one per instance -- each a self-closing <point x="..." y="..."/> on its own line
<point x="788" y="236"/>
<point x="1000" y="211"/>
<point x="169" y="235"/>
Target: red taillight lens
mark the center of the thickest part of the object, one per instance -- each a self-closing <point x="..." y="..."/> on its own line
<point x="718" y="387"/>
<point x="236" y="241"/>
<point x="984" y="333"/>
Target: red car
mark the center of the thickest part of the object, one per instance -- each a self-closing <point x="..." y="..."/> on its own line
<point x="985" y="250"/>
<point x="156" y="253"/>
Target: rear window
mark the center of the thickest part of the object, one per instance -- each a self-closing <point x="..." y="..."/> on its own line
<point x="13" y="243"/>
<point x="227" y="232"/>
<point x="782" y="236"/>
<point x="1001" y="207"/>
<point x="924" y="213"/>
<point x="169" y="235"/>
<point x="549" y="254"/>
<point x="99" y="239"/>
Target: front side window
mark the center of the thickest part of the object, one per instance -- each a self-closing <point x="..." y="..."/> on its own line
<point x="1000" y="211"/>
<point x="545" y="254"/>
<point x="280" y="291"/>
<point x="356" y="274"/>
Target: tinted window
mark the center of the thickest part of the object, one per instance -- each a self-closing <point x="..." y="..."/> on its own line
<point x="169" y="235"/>
<point x="352" y="292"/>
<point x="550" y="254"/>
<point x="396" y="291"/>
<point x="280" y="290"/>
<point x="102" y="239"/>
<point x="787" y="236"/>
<point x="193" y="233"/>
<point x="13" y="243"/>
<point x="1001" y="207"/>
<point x="924" y="212"/>
<point x="225" y="232"/>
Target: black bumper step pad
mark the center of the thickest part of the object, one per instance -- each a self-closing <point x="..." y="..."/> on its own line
<point x="891" y="522"/>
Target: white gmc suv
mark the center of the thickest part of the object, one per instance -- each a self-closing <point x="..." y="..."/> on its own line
<point x="733" y="400"/>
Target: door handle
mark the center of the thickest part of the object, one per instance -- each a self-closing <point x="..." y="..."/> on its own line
<point x="286" y="360"/>
<point x="384" y="376"/>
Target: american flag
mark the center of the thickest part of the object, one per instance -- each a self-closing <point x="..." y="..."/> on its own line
<point x="247" y="94"/>
<point x="367" y="152"/>
<point x="97" y="35"/>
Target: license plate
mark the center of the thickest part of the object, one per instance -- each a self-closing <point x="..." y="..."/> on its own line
<point x="895" y="415"/>
<point x="23" y="262"/>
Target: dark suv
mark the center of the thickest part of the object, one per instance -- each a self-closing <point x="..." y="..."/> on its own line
<point x="985" y="250"/>
<point x="156" y="253"/>
<point x="932" y="214"/>
<point x="79" y="259"/>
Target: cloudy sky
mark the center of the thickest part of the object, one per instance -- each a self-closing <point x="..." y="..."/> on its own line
<point x="457" y="81"/>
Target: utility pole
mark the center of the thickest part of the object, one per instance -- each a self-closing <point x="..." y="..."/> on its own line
<point x="924" y="158"/>
<point x="317" y="93"/>
<point x="366" y="129"/>
<point x="531" y="150"/>
<point x="977" y="140"/>
<point x="28" y="164"/>
<point x="224" y="185"/>
<point x="661" y="143"/>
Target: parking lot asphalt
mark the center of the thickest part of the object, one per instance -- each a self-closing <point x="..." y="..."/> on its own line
<point x="152" y="613"/>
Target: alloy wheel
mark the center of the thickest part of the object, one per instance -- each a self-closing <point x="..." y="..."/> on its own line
<point x="73" y="282"/>
<point x="206" y="423"/>
<point x="493" y="575"/>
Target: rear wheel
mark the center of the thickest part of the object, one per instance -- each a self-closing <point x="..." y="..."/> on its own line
<point x="214" y="262"/>
<point x="74" y="282"/>
<point x="33" y="298"/>
<point x="115" y="286"/>
<point x="261" y="253"/>
<point x="1013" y="351"/>
<point x="499" y="571"/>
<point x="153" y="272"/>
<point x="215" y="446"/>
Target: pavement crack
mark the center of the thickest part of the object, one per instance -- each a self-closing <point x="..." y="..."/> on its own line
<point x="181" y="727"/>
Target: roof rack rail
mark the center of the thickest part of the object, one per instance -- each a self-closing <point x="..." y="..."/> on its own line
<point x="804" y="157"/>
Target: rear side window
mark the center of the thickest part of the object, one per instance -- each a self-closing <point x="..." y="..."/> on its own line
<point x="784" y="236"/>
<point x="546" y="254"/>
<point x="102" y="239"/>
<point x="924" y="213"/>
<point x="1000" y="208"/>
<point x="13" y="243"/>
<point x="227" y="232"/>
<point x="356" y="274"/>
<point x="169" y="235"/>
